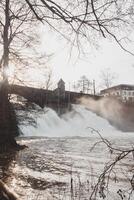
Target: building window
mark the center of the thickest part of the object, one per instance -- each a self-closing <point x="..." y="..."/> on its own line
<point x="129" y="93"/>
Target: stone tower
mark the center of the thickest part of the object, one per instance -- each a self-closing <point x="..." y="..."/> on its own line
<point x="61" y="88"/>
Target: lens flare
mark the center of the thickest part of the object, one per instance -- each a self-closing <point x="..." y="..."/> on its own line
<point x="9" y="71"/>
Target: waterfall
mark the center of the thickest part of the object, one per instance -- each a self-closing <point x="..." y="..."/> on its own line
<point x="78" y="122"/>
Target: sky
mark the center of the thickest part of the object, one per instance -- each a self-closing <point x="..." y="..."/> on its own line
<point x="108" y="55"/>
<point x="70" y="67"/>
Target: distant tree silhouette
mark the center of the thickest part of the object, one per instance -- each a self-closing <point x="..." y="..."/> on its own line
<point x="84" y="84"/>
<point x="107" y="78"/>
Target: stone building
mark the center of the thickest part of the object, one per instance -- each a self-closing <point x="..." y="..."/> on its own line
<point x="123" y="92"/>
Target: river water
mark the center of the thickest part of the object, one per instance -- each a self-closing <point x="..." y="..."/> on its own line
<point x="60" y="161"/>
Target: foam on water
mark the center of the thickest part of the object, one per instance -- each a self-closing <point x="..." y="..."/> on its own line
<point x="74" y="123"/>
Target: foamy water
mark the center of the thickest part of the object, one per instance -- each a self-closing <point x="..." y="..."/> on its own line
<point x="78" y="122"/>
<point x="44" y="170"/>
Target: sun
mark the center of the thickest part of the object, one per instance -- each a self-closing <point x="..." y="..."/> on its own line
<point x="10" y="70"/>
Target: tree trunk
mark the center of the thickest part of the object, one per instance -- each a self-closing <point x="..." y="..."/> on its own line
<point x="5" y="193"/>
<point x="8" y="122"/>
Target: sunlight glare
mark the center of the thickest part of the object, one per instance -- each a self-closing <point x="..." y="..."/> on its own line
<point x="10" y="70"/>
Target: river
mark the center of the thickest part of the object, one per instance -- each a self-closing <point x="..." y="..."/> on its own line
<point x="60" y="161"/>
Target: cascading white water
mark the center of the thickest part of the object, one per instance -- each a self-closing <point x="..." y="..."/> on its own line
<point x="53" y="159"/>
<point x="74" y="123"/>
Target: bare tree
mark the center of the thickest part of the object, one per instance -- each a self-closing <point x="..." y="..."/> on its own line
<point x="75" y="21"/>
<point x="82" y="19"/>
<point x="107" y="78"/>
<point x="84" y="84"/>
<point x="87" y="19"/>
<point x="16" y="21"/>
<point x="111" y="171"/>
<point x="48" y="79"/>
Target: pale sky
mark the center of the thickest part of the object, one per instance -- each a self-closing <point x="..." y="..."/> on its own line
<point x="109" y="55"/>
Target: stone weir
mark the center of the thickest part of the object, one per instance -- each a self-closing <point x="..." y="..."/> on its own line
<point x="62" y="101"/>
<point x="56" y="99"/>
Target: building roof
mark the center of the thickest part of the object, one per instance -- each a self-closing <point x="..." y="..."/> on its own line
<point x="61" y="81"/>
<point x="121" y="86"/>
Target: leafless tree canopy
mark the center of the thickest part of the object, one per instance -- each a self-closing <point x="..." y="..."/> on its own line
<point x="16" y="23"/>
<point x="75" y="21"/>
<point x="19" y="41"/>
<point x="107" y="78"/>
<point x="87" y="19"/>
<point x="84" y="85"/>
<point x="111" y="170"/>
